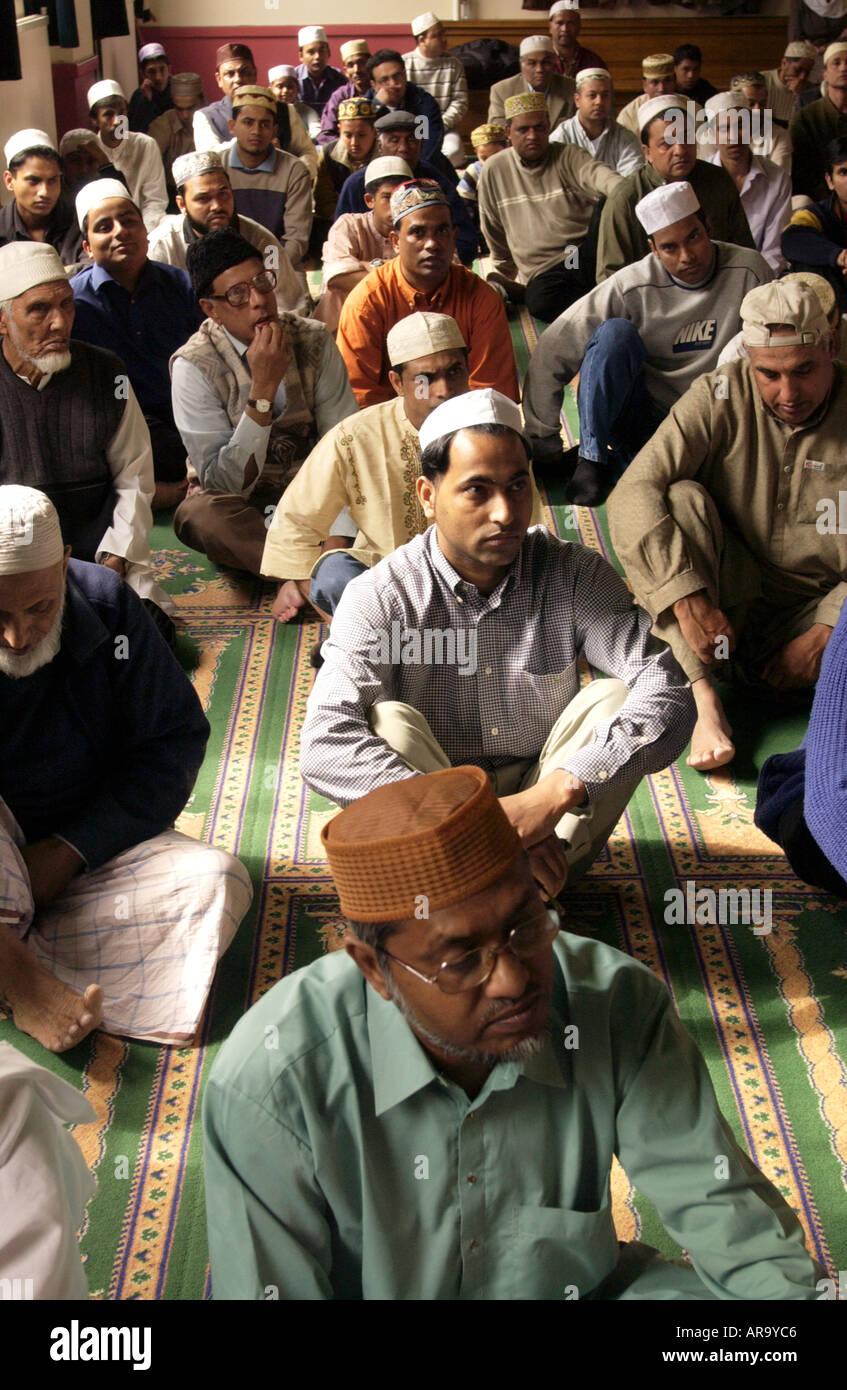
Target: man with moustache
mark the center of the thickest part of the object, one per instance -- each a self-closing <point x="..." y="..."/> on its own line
<point x="234" y="68"/>
<point x="38" y="209"/>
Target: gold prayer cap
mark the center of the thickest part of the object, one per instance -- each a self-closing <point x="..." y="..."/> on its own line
<point x="785" y="303"/>
<point x="440" y="838"/>
<point x="420" y="335"/>
<point x="356" y="109"/>
<point x="354" y="48"/>
<point x="657" y="65"/>
<point x="524" y="101"/>
<point x="488" y="134"/>
<point x="255" y="96"/>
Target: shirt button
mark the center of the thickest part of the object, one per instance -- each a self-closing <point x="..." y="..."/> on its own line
<point x="495" y="732"/>
<point x="780" y="506"/>
<point x="471" y="1177"/>
<point x="488" y="670"/>
<point x="602" y="775"/>
<point x="787" y="468"/>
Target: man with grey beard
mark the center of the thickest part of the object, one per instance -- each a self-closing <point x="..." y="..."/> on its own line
<point x="108" y="916"/>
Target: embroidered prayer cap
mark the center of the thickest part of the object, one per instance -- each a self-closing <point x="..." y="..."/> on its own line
<point x="354" y="48"/>
<point x="657" y="106"/>
<point x="282" y="70"/>
<point x="592" y="75"/>
<point x="536" y="43"/>
<point x="356" y="109"/>
<point x="444" y="836"/>
<point x="487" y="407"/>
<point x="254" y="96"/>
<point x="91" y="195"/>
<point x="29" y="139"/>
<point x="30" y="534"/>
<point x="210" y="255"/>
<point x="562" y="5"/>
<point x="313" y="33"/>
<point x="665" y="205"/>
<point x="397" y="120"/>
<point x="422" y="22"/>
<point x="388" y="166"/>
<point x="522" y="102"/>
<point x="831" y="51"/>
<point x="103" y="90"/>
<point x="192" y="165"/>
<point x="228" y="52"/>
<point x="657" y="65"/>
<point x="151" y="50"/>
<point x="414" y="194"/>
<point x="187" y="85"/>
<point x="782" y="302"/>
<point x="488" y="134"/>
<point x="419" y="335"/>
<point x="801" y="48"/>
<point x="25" y="264"/>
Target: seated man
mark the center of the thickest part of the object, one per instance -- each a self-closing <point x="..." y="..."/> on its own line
<point x="82" y="158"/>
<point x="283" y="82"/>
<point x="593" y="126"/>
<point x="537" y="74"/>
<point x="71" y="425"/>
<point x="140" y="309"/>
<point x="38" y="211"/>
<point x="816" y="125"/>
<point x="272" y="187"/>
<point x="453" y="1028"/>
<point x="717" y="520"/>
<point x="358" y="242"/>
<point x="687" y="65"/>
<point x="536" y="202"/>
<point x="769" y="140"/>
<point x="317" y="78"/>
<point x="136" y="157"/>
<point x="173" y="130"/>
<point x="110" y="918"/>
<point x="391" y="89"/>
<point x="670" y="156"/>
<point x="398" y="137"/>
<point x="423" y="275"/>
<point x="564" y="761"/>
<point x="486" y="140"/>
<point x="234" y="68"/>
<point x="153" y="96"/>
<point x="800" y="802"/>
<point x="565" y="24"/>
<point x="253" y="392"/>
<point x="368" y="464"/>
<point x="354" y="56"/>
<point x="430" y="67"/>
<point x="638" y="341"/>
<point x="353" y="150"/>
<point x="785" y="83"/>
<point x="816" y="237"/>
<point x="658" y="80"/>
<point x="764" y="189"/>
<point x="206" y="204"/>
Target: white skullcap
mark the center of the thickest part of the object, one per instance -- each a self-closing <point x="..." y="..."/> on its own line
<point x="840" y="46"/>
<point x="106" y="88"/>
<point x="151" y="50"/>
<point x="726" y="101"/>
<point x="801" y="48"/>
<point x="192" y="165"/>
<point x="536" y="43"/>
<point x="281" y="70"/>
<point x="91" y="195"/>
<point x="30" y="534"/>
<point x="422" y="22"/>
<point x="783" y="302"/>
<point x="24" y="264"/>
<point x="28" y="140"/>
<point x="388" y="166"/>
<point x="656" y="105"/>
<point x="420" y="334"/>
<point x="486" y="407"/>
<point x="666" y="205"/>
<point x="76" y="139"/>
<point x="562" y="5"/>
<point x="592" y="75"/>
<point x="313" y="33"/>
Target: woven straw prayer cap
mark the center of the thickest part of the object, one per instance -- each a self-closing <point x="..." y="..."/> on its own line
<point x="524" y="101"/>
<point x="657" y="65"/>
<point x="255" y="96"/>
<point x="488" y="134"/>
<point x="443" y="835"/>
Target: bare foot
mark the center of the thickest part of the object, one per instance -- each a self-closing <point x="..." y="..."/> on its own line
<point x="167" y="495"/>
<point x="288" y="601"/>
<point x="51" y="1012"/>
<point x="711" y="744"/>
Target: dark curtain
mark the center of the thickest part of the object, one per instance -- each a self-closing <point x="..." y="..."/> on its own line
<point x="108" y="19"/>
<point x="10" y="58"/>
<point x="61" y="21"/>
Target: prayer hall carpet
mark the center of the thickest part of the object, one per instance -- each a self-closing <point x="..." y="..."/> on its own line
<point x="768" y="1010"/>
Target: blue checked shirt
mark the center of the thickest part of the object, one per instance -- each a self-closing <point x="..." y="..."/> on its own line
<point x="558" y="602"/>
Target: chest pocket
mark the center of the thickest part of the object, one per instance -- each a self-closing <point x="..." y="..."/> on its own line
<point x="557" y="1250"/>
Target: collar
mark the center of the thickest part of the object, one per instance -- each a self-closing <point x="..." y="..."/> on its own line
<point x="100" y="276"/>
<point x="458" y="586"/>
<point x="267" y="165"/>
<point x="701" y="284"/>
<point x="415" y="297"/>
<point x="240" y="348"/>
<point x="82" y="631"/>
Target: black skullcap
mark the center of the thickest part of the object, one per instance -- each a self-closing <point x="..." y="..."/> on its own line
<point x="210" y="255"/>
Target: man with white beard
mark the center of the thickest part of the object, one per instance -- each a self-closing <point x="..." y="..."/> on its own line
<point x="109" y="917"/>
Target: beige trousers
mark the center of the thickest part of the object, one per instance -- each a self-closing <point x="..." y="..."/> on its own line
<point x="585" y="830"/>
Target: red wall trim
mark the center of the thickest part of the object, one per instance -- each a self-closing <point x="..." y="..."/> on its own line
<point x="71" y="81"/>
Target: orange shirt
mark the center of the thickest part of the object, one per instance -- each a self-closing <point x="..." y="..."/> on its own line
<point x="384" y="296"/>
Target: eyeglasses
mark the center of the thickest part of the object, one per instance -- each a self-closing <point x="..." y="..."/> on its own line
<point x="475" y="967"/>
<point x="238" y="295"/>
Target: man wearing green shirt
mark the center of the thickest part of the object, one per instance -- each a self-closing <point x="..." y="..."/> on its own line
<point x="433" y="1114"/>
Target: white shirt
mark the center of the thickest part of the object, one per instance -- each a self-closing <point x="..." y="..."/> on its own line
<point x="766" y="196"/>
<point x="139" y="159"/>
<point x="616" y="146"/>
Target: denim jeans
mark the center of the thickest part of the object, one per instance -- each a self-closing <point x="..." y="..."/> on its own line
<point x="331" y="578"/>
<point x="615" y="409"/>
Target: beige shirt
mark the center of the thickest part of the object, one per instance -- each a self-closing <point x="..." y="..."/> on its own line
<point x="765" y="478"/>
<point x="352" y="240"/>
<point x="168" y="244"/>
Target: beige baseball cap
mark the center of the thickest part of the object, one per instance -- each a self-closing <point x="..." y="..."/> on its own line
<point x="784" y="303"/>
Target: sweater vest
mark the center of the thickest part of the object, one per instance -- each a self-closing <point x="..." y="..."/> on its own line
<point x="56" y="440"/>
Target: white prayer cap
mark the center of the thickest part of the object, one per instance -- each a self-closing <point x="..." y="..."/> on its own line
<point x="801" y="48"/>
<point x="76" y="139"/>
<point x="28" y="140"/>
<point x="30" y="534"/>
<point x="656" y="106"/>
<point x="592" y="75"/>
<point x="782" y="302"/>
<point x="91" y="195"/>
<point x="726" y="101"/>
<point x="192" y="165"/>
<point x="151" y="50"/>
<point x="562" y="5"/>
<point x="840" y="46"/>
<point x="422" y="22"/>
<point x="388" y="166"/>
<point x="486" y="407"/>
<point x="420" y="334"/>
<point x="281" y="70"/>
<point x="24" y="264"/>
<point x="100" y="90"/>
<point x="313" y="33"/>
<point x="665" y="205"/>
<point x="536" y="43"/>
